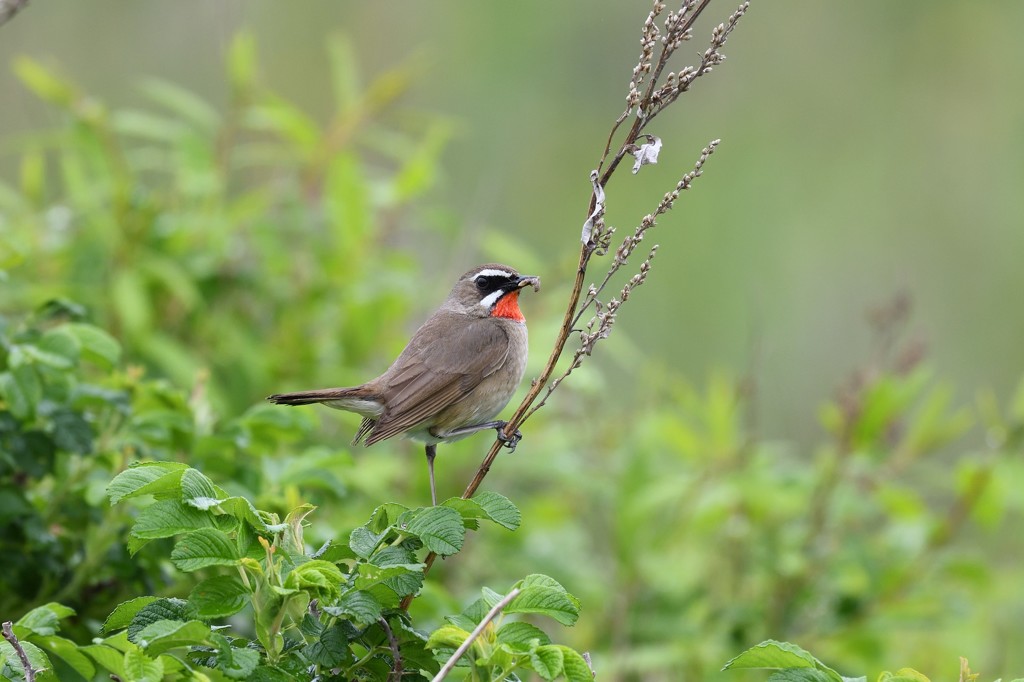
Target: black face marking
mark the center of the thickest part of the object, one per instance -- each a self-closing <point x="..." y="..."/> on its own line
<point x="491" y="280"/>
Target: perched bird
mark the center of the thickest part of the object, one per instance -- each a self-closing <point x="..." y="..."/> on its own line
<point x="456" y="373"/>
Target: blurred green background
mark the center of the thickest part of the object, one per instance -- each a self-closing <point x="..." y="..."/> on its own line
<point x="288" y="225"/>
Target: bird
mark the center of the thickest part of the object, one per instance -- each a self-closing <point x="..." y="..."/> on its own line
<point x="458" y="371"/>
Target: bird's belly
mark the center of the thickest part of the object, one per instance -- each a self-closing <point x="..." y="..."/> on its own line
<point x="482" y="404"/>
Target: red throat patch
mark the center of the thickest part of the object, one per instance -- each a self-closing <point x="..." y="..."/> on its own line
<point x="508" y="307"/>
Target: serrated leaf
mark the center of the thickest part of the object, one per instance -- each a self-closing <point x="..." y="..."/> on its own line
<point x="447" y="636"/>
<point x="574" y="666"/>
<point x="547" y="601"/>
<point x="489" y="506"/>
<point x="195" y="485"/>
<point x="165" y="518"/>
<point x="164" y="635"/>
<point x="359" y="606"/>
<point x="146" y="479"/>
<point x="122" y="616"/>
<point x="238" y="664"/>
<point x="138" y="667"/>
<point x="363" y="541"/>
<point x="44" y="620"/>
<point x="243" y="510"/>
<point x="779" y="655"/>
<point x="202" y="548"/>
<point x="219" y="596"/>
<point x="499" y="509"/>
<point x="330" y="649"/>
<point x="440" y="529"/>
<point x="546" y="661"/>
<point x="161" y="609"/>
<point x="97" y="346"/>
<point x="520" y="635"/>
<point x="798" y="675"/>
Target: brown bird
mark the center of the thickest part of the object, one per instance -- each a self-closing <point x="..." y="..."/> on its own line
<point x="457" y="372"/>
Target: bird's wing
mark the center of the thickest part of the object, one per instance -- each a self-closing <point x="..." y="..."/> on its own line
<point x="437" y="369"/>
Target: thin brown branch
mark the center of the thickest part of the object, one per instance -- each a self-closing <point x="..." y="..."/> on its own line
<point x="396" y="668"/>
<point x="678" y="27"/>
<point x="30" y="674"/>
<point x="464" y="647"/>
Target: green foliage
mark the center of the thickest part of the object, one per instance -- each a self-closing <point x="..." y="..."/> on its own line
<point x="176" y="225"/>
<point x="230" y="249"/>
<point x="330" y="614"/>
<point x="793" y="664"/>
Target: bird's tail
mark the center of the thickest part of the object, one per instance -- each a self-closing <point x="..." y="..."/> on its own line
<point x="357" y="399"/>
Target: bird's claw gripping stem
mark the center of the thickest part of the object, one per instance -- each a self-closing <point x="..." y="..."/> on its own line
<point x="509" y="442"/>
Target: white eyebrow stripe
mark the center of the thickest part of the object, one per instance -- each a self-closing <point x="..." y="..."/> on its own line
<point x="491" y="272"/>
<point x="492" y="298"/>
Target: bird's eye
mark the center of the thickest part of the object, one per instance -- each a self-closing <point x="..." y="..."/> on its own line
<point x="485" y="283"/>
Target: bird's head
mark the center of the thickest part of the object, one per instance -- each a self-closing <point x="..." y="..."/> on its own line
<point x="491" y="290"/>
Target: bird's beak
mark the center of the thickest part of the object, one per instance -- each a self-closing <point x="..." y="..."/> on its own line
<point x="527" y="281"/>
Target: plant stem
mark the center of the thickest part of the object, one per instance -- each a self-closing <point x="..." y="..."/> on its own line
<point x="464" y="647"/>
<point x="30" y="674"/>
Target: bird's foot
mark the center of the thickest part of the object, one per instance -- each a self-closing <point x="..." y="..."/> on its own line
<point x="509" y="442"/>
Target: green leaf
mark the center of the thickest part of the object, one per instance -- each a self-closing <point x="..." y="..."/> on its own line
<point x="574" y="666"/>
<point x="44" y="620"/>
<point x="68" y="651"/>
<point x="241" y="61"/>
<point x="60" y="352"/>
<point x="363" y="541"/>
<point x="185" y="103"/>
<point x="219" y="596"/>
<point x="321" y="579"/>
<point x="138" y="667"/>
<point x="165" y="518"/>
<point x="44" y="83"/>
<point x="164" y="635"/>
<point x="161" y="609"/>
<point x="779" y="655"/>
<point x="549" y="601"/>
<point x="147" y="478"/>
<point x="202" y="548"/>
<point x="18" y="396"/>
<point x="238" y="664"/>
<point x="486" y="505"/>
<point x="243" y="510"/>
<point x="447" y="636"/>
<point x="359" y="606"/>
<point x="499" y="509"/>
<point x="106" y="657"/>
<point x="330" y="649"/>
<point x="71" y="432"/>
<point x="195" y="485"/>
<point x="902" y="675"/>
<point x="546" y="661"/>
<point x="97" y="346"/>
<point x="799" y="675"/>
<point x="37" y="658"/>
<point x="520" y="635"/>
<point x="122" y="616"/>
<point x="440" y="528"/>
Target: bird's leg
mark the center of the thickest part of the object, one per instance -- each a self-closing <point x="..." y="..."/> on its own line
<point x="510" y="442"/>
<point x="431" y="453"/>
